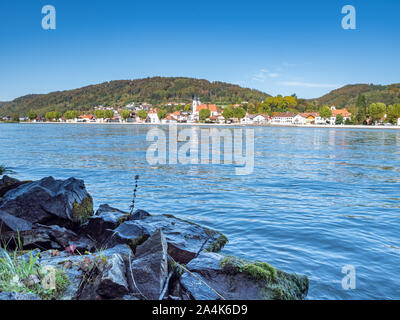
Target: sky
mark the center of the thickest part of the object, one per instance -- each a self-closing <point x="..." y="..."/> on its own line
<point x="279" y="47"/>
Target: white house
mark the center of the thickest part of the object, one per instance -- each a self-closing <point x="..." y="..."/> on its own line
<point x="283" y="118"/>
<point x="261" y="119"/>
<point x="153" y="117"/>
<point x="248" y="119"/>
<point x="299" y="119"/>
<point x="398" y="121"/>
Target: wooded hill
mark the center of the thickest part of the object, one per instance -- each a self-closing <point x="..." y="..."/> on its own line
<point x="119" y="93"/>
<point x="347" y="95"/>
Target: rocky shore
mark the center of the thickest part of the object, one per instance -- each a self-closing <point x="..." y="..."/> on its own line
<point x="111" y="254"/>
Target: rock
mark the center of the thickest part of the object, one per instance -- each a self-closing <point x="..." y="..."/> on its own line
<point x="113" y="283"/>
<point x="49" y="200"/>
<point x="149" y="269"/>
<point x="130" y="232"/>
<point x="18" y="296"/>
<point x="185" y="239"/>
<point x="7" y="184"/>
<point x="105" y="219"/>
<point x="236" y="279"/>
<point x="72" y="265"/>
<point x="46" y="238"/>
<point x="139" y="215"/>
<point x="11" y="223"/>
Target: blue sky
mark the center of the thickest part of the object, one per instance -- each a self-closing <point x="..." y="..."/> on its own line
<point x="280" y="47"/>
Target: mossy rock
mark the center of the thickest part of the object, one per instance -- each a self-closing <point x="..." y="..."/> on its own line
<point x="82" y="211"/>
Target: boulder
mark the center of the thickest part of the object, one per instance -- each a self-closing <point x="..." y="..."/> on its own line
<point x="101" y="224"/>
<point x="11" y="296"/>
<point x="7" y="183"/>
<point x="46" y="238"/>
<point x="113" y="283"/>
<point x="130" y="232"/>
<point x="9" y="222"/>
<point x="236" y="279"/>
<point x="185" y="239"/>
<point x="139" y="215"/>
<point x="149" y="269"/>
<point x="49" y="200"/>
<point x="71" y="264"/>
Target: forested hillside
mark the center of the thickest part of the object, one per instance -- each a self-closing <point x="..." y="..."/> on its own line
<point x="119" y="93"/>
<point x="347" y="95"/>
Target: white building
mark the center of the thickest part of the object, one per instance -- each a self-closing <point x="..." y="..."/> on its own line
<point x="283" y="118"/>
<point x="153" y="117"/>
<point x="398" y="121"/>
<point x="299" y="119"/>
<point x="248" y="119"/>
<point x="195" y="104"/>
<point x="261" y="119"/>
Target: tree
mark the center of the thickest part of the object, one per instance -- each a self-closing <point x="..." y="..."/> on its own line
<point x="53" y="115"/>
<point x="15" y="117"/>
<point x="361" y="105"/>
<point x="325" y="112"/>
<point x="393" y="112"/>
<point x="125" y="114"/>
<point x="108" y="114"/>
<point x="239" y="113"/>
<point x="162" y="114"/>
<point x="99" y="114"/>
<point x="377" y="111"/>
<point x="339" y="119"/>
<point x="227" y="113"/>
<point x="204" y="114"/>
<point x="32" y="115"/>
<point x="142" y="114"/>
<point x="71" y="114"/>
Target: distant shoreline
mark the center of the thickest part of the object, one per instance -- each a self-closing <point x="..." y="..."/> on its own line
<point x="216" y="125"/>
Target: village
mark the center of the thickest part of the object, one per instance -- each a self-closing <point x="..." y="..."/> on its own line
<point x="198" y="113"/>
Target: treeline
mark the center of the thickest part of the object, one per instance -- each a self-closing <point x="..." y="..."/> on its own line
<point x="364" y="112"/>
<point x="347" y="96"/>
<point x="155" y="90"/>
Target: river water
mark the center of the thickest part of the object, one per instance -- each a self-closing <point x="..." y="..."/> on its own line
<point x="318" y="199"/>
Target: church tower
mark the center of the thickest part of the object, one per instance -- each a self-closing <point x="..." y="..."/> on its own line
<point x="195" y="104"/>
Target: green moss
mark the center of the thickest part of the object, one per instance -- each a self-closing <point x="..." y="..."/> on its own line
<point x="123" y="219"/>
<point x="258" y="271"/>
<point x="133" y="243"/>
<point x="81" y="212"/>
<point x="217" y="244"/>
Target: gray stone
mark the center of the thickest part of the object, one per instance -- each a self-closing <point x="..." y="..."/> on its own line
<point x="105" y="218"/>
<point x="12" y="296"/>
<point x="46" y="238"/>
<point x="129" y="232"/>
<point x="7" y="183"/>
<point x="113" y="283"/>
<point x="149" y="270"/>
<point x="185" y="239"/>
<point x="11" y="223"/>
<point x="139" y="215"/>
<point x="49" y="199"/>
<point x="236" y="279"/>
<point x="71" y="265"/>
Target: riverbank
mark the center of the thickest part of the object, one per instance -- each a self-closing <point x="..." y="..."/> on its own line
<point x="117" y="255"/>
<point x="218" y="125"/>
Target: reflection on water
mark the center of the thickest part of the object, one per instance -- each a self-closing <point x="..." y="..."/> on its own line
<point x="318" y="198"/>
